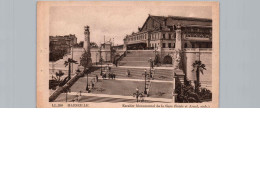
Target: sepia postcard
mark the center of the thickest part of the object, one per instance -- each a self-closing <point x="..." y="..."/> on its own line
<point x="127" y="54"/>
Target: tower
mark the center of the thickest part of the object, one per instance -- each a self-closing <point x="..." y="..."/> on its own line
<point x="87" y="39"/>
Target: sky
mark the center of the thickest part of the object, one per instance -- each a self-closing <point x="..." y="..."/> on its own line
<point x="112" y="21"/>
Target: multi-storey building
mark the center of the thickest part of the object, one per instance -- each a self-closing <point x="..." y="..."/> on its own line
<point x="178" y="41"/>
<point x="61" y="44"/>
<point x="160" y="32"/>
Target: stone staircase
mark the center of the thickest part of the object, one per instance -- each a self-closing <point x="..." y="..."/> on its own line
<point x="137" y="58"/>
<point x="120" y="72"/>
<point x="163" y="74"/>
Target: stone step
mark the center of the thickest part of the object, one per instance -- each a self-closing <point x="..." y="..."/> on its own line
<point x="145" y="59"/>
<point x="134" y="64"/>
<point x="140" y="54"/>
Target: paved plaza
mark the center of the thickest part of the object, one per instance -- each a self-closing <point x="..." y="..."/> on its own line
<point x="122" y="88"/>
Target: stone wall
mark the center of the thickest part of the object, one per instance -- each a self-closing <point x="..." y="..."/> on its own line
<point x="95" y="54"/>
<point x="189" y="57"/>
<point x="204" y="55"/>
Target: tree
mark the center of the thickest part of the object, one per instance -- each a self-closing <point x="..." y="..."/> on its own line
<point x="85" y="59"/>
<point x="59" y="74"/>
<point x="198" y="67"/>
<point x="68" y="63"/>
<point x="93" y="45"/>
<point x="185" y="93"/>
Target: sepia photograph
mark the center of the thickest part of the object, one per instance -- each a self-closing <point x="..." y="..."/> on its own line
<point x="128" y="54"/>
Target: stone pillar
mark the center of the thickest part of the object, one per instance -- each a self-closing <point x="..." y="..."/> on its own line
<point x="174" y="94"/>
<point x="178" y="44"/>
<point x="87" y="39"/>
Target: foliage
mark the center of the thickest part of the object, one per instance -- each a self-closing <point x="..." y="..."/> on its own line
<point x="205" y="94"/>
<point x="68" y="63"/>
<point x="59" y="75"/>
<point x="198" y="67"/>
<point x="57" y="54"/>
<point x="55" y="82"/>
<point x="93" y="45"/>
<point x="85" y="59"/>
<point x="186" y="93"/>
<point x="156" y="59"/>
<point x="79" y="45"/>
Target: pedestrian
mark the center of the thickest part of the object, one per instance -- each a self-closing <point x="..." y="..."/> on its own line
<point x="128" y="73"/>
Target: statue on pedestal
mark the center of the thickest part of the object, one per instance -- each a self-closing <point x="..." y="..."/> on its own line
<point x="177" y="60"/>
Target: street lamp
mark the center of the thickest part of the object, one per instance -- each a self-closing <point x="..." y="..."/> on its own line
<point x="151" y="66"/>
<point x="137" y="94"/>
<point x="101" y="72"/>
<point x="155" y="51"/>
<point x="100" y="59"/>
<point x="72" y="56"/>
<point x="66" y="91"/>
<point x="145" y="75"/>
<point x="96" y="57"/>
<point x="87" y="88"/>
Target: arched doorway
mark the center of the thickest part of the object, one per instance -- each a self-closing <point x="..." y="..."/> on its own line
<point x="167" y="60"/>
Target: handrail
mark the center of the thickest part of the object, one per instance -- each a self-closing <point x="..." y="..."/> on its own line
<point x="120" y="57"/>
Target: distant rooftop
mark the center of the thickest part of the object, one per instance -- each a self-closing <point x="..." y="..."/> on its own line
<point x="162" y="18"/>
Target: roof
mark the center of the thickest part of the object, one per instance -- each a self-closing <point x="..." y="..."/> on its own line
<point x="162" y="19"/>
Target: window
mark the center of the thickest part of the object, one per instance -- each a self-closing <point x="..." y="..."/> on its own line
<point x="170" y="36"/>
<point x="185" y="45"/>
<point x="173" y="45"/>
<point x="163" y="36"/>
<point x="169" y="45"/>
<point x="163" y="45"/>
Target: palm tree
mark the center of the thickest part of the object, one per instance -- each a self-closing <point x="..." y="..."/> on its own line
<point x="68" y="63"/>
<point x="198" y="66"/>
<point x="59" y="74"/>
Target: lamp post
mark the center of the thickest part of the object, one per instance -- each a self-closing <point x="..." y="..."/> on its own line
<point x="67" y="90"/>
<point x="151" y="62"/>
<point x="137" y="94"/>
<point x="101" y="72"/>
<point x="96" y="57"/>
<point x="155" y="55"/>
<point x="87" y="88"/>
<point x="72" y="56"/>
<point x="100" y="59"/>
<point x="145" y="75"/>
<point x="79" y="97"/>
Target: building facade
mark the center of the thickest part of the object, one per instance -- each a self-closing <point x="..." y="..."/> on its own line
<point x="62" y="42"/>
<point x="178" y="41"/>
<point x="60" y="46"/>
<point x="161" y="32"/>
